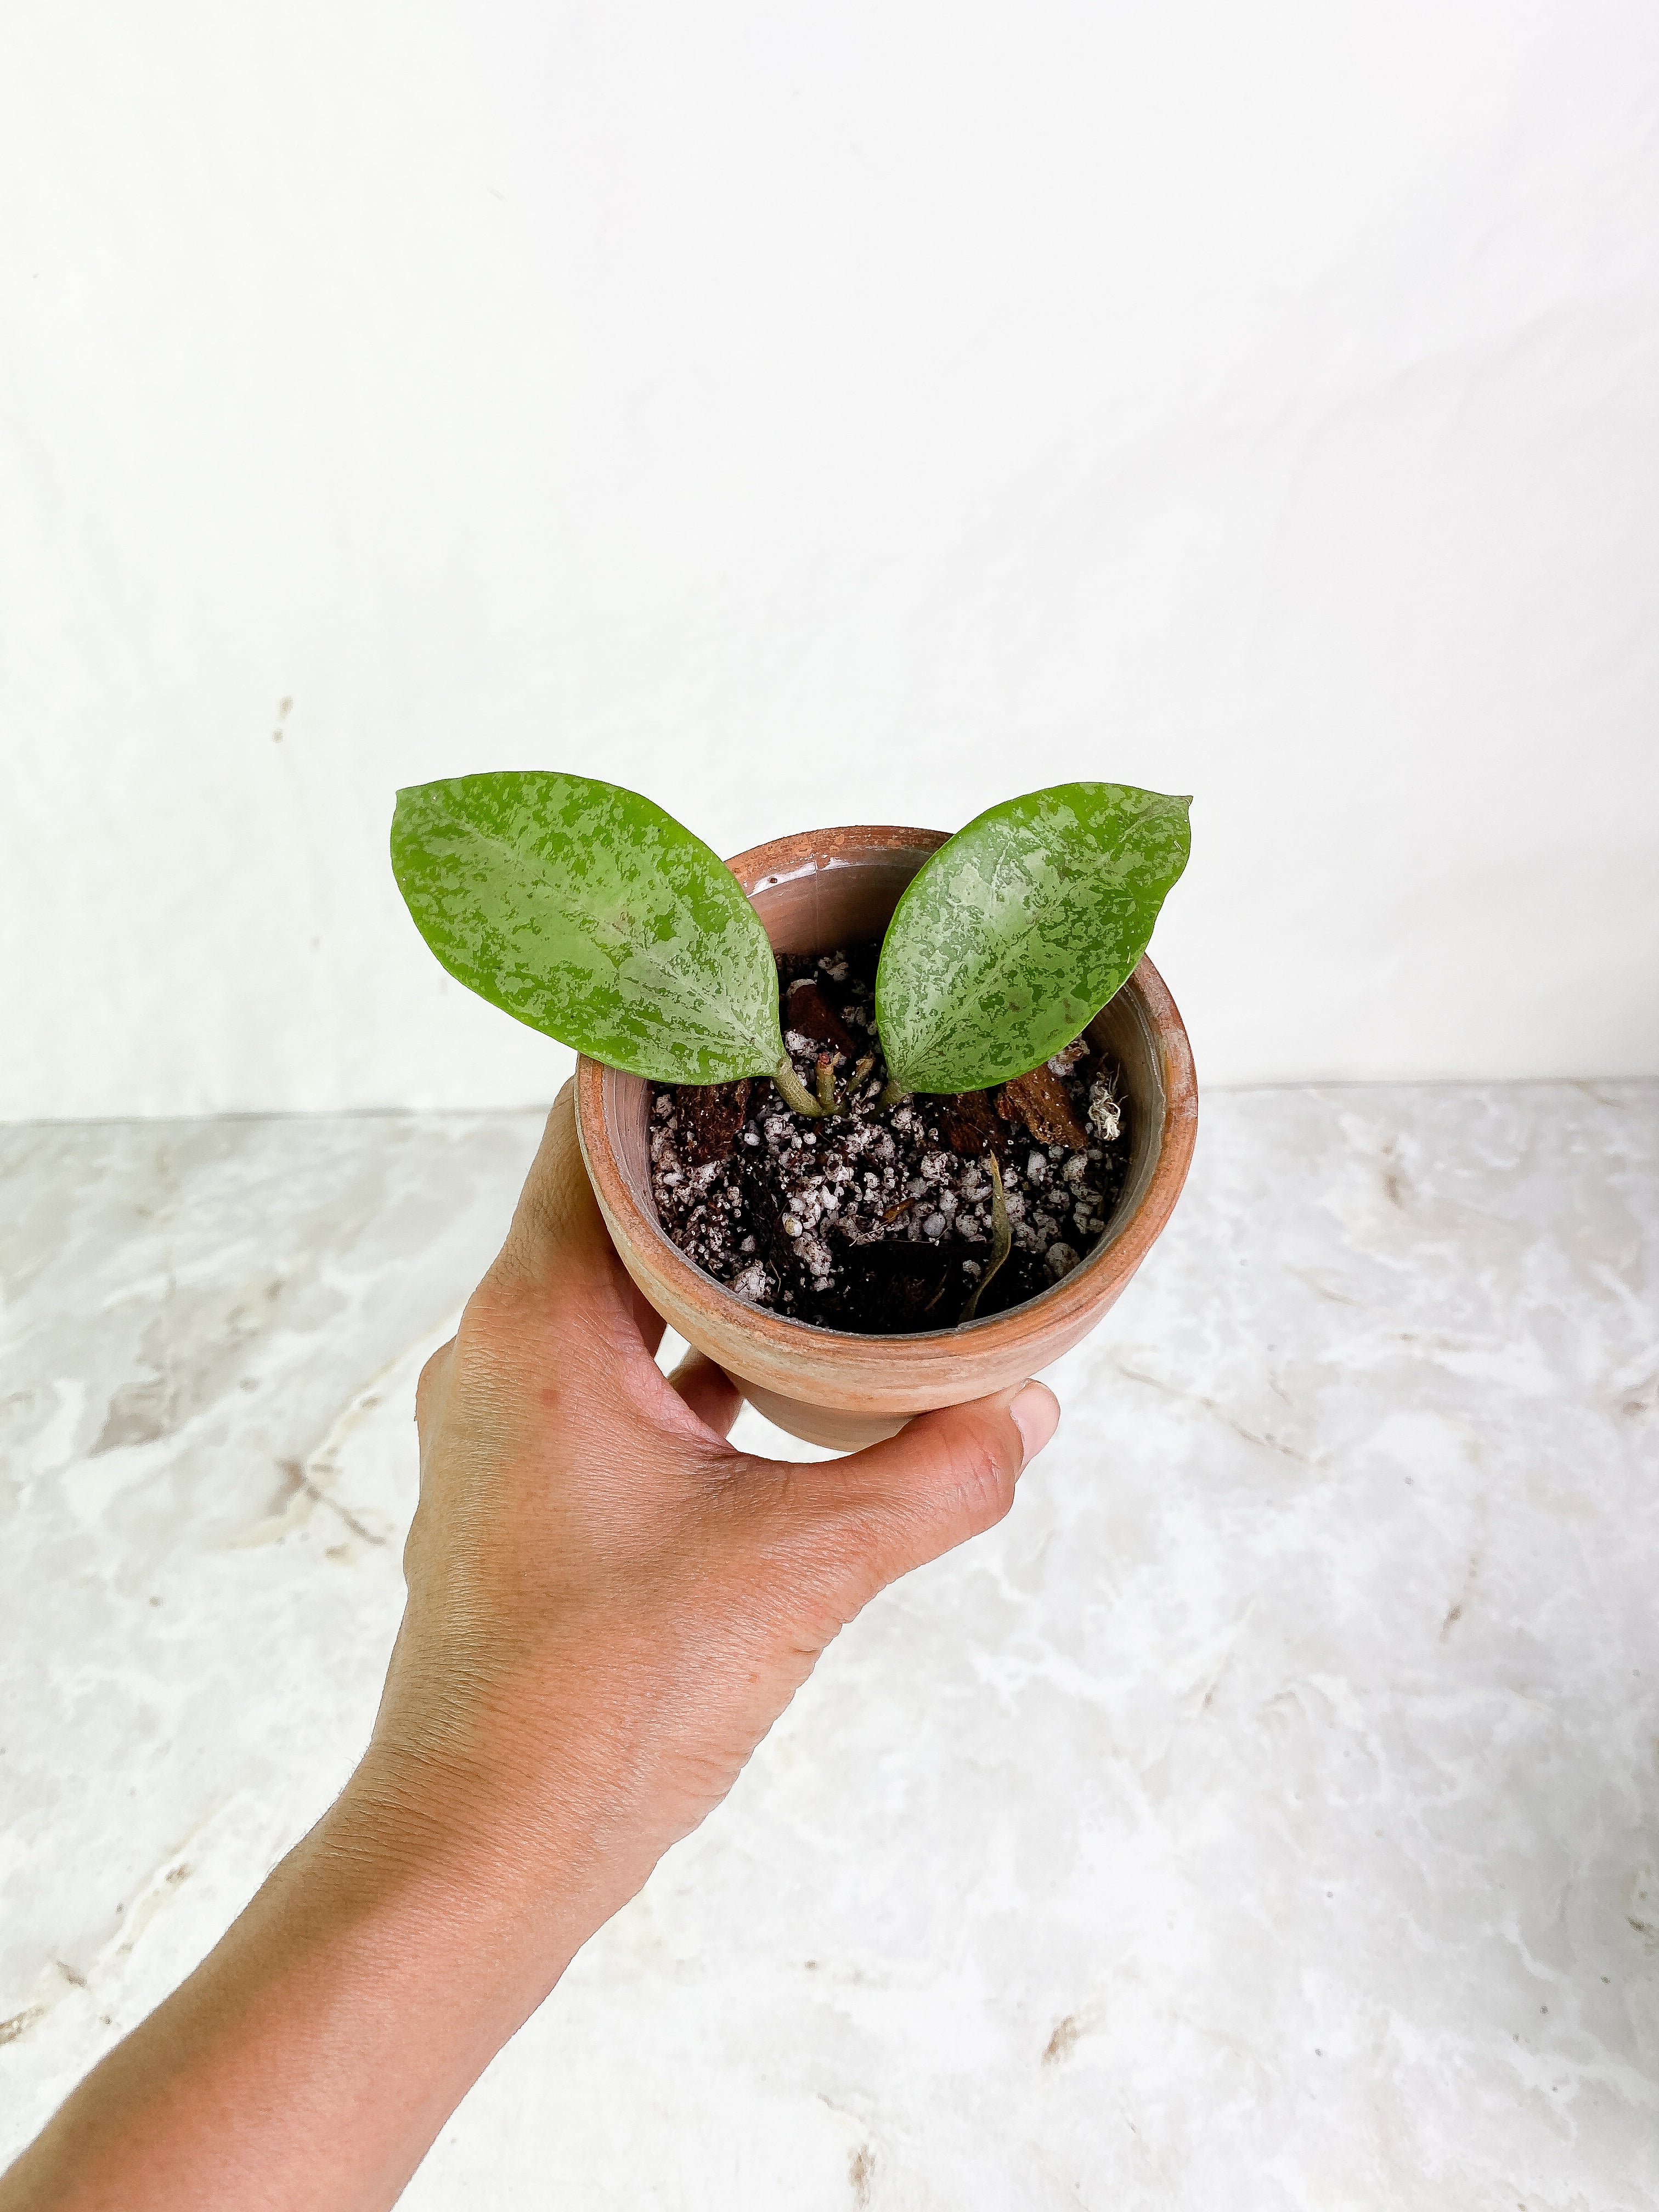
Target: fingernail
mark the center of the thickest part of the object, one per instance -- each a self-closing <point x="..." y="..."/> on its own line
<point x="1036" y="1416"/>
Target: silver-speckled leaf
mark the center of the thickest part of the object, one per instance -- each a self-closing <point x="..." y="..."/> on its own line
<point x="1016" y="933"/>
<point x="586" y="911"/>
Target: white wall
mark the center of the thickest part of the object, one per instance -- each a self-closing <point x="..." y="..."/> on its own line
<point x="809" y="413"/>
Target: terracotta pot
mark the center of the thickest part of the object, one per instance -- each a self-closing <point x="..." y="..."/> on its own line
<point x="834" y="887"/>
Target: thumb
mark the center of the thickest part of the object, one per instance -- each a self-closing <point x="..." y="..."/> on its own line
<point x="945" y="1477"/>
<point x="557" y="1240"/>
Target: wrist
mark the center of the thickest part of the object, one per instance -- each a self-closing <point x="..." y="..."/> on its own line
<point x="460" y="1851"/>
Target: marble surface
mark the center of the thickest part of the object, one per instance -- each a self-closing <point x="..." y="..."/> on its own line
<point x="1266" y="1815"/>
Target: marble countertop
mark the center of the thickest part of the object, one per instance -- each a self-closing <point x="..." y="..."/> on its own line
<point x="1266" y="1815"/>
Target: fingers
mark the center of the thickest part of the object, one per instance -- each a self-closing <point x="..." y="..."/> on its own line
<point x="558" y="1237"/>
<point x="708" y="1391"/>
<point x="945" y="1477"/>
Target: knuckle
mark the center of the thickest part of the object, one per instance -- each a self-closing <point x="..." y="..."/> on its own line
<point x="500" y="1326"/>
<point x="432" y="1373"/>
<point x="981" y="1479"/>
<point x="495" y="1310"/>
<point x="429" y="1389"/>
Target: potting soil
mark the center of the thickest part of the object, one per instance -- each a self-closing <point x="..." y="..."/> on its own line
<point x="877" y="1218"/>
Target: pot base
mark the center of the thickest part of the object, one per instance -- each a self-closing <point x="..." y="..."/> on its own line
<point x="837" y="1428"/>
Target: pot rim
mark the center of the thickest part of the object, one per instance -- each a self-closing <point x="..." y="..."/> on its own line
<point x="1092" y="1281"/>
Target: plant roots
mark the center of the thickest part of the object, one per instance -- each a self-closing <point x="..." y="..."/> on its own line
<point x="1002" y="1238"/>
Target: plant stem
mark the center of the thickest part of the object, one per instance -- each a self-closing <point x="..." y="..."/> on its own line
<point x="827" y="1098"/>
<point x="894" y="1095"/>
<point x="1002" y="1237"/>
<point x="795" y="1092"/>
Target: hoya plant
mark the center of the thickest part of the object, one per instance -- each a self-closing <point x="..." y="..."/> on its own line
<point x="587" y="912"/>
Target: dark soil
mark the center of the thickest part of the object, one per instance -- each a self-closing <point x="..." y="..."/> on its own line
<point x="880" y="1220"/>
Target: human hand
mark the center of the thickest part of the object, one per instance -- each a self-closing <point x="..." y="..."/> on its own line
<point x="608" y="1604"/>
<point x="608" y="1609"/>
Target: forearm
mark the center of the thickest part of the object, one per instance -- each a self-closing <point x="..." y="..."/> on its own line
<point x="313" y="2054"/>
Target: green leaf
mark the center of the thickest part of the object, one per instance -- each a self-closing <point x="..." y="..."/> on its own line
<point x="1015" y="935"/>
<point x="586" y="911"/>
